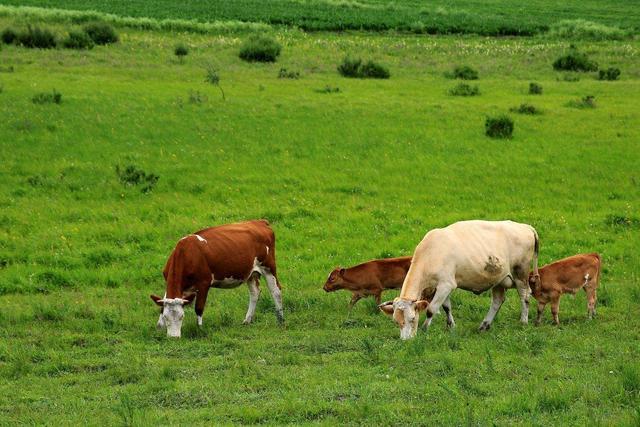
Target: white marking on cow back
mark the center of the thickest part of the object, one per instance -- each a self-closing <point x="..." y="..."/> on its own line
<point x="202" y="239"/>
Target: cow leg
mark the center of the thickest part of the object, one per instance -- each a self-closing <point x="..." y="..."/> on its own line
<point x="443" y="290"/>
<point x="497" y="298"/>
<point x="524" y="292"/>
<point x="555" y="307"/>
<point x="254" y="294"/>
<point x="378" y="297"/>
<point x="354" y="299"/>
<point x="272" y="283"/>
<point x="201" y="301"/>
<point x="591" y="300"/>
<point x="541" y="306"/>
<point x="161" y="323"/>
<point x="447" y="310"/>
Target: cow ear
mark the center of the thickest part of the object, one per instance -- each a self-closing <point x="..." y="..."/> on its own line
<point x="387" y="308"/>
<point x="189" y="299"/>
<point x="422" y="305"/>
<point x="341" y="271"/>
<point x="157" y="300"/>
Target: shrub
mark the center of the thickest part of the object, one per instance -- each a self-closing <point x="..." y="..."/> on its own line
<point x="588" y="101"/>
<point x="181" y="50"/>
<point x="78" y="40"/>
<point x="464" y="89"/>
<point x="132" y="176"/>
<point x="575" y="61"/>
<point x="101" y="33"/>
<point x="286" y="74"/>
<point x="350" y="67"/>
<point x="535" y="89"/>
<point x="570" y="77"/>
<point x="586" y="30"/>
<point x="213" y="77"/>
<point x="328" y="89"/>
<point x="54" y="97"/>
<point x="9" y="35"/>
<point x="373" y="70"/>
<point x="197" y="97"/>
<point x="499" y="127"/>
<point x="260" y="48"/>
<point x="355" y="68"/>
<point x="526" y="109"/>
<point x="609" y="74"/>
<point x="36" y="37"/>
<point x="463" y="72"/>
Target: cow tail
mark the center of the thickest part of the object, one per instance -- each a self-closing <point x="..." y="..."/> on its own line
<point x="536" y="249"/>
<point x="598" y="270"/>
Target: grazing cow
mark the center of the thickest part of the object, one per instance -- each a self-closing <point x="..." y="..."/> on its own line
<point x="471" y="255"/>
<point x="568" y="275"/>
<point x="369" y="278"/>
<point x="219" y="257"/>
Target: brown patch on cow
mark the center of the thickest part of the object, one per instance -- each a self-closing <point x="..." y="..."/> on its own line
<point x="493" y="265"/>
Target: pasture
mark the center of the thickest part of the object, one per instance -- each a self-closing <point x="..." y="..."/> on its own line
<point x="343" y="176"/>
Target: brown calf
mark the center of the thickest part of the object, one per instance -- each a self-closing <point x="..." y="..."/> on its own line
<point x="568" y="275"/>
<point x="369" y="278"/>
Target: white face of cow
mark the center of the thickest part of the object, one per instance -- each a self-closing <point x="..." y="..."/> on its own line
<point x="406" y="314"/>
<point x="172" y="315"/>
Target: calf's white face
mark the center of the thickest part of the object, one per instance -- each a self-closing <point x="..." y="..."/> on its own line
<point x="406" y="314"/>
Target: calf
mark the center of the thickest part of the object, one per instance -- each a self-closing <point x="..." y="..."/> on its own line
<point x="568" y="275"/>
<point x="219" y="257"/>
<point x="369" y="278"/>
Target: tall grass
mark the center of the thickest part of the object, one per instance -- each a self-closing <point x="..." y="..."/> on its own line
<point x="581" y="29"/>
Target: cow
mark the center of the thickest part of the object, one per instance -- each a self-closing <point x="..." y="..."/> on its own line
<point x="222" y="257"/>
<point x="472" y="255"/>
<point x="369" y="278"/>
<point x="567" y="275"/>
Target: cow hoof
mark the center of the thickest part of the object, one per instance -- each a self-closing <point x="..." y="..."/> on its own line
<point x="484" y="326"/>
<point x="451" y="325"/>
<point x="247" y="321"/>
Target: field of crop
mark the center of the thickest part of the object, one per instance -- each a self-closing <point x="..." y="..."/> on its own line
<point x="343" y="176"/>
<point x="490" y="17"/>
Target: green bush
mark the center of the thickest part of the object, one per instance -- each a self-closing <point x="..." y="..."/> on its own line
<point x="574" y="61"/>
<point x="54" y="97"/>
<point x="286" y="74"/>
<point x="588" y="101"/>
<point x="101" y="33"/>
<point x="9" y="35"/>
<point x="260" y="48"/>
<point x="535" y="89"/>
<point x="328" y="89"/>
<point x="181" y="50"/>
<point x="132" y="176"/>
<point x="355" y="68"/>
<point x="463" y="89"/>
<point x="463" y="72"/>
<point x="586" y="30"/>
<point x="526" y="109"/>
<point x="609" y="74"/>
<point x="499" y="127"/>
<point x="37" y="38"/>
<point x="78" y="40"/>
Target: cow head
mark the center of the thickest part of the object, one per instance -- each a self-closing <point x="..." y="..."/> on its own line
<point x="172" y="313"/>
<point x="534" y="282"/>
<point x="406" y="314"/>
<point x="335" y="280"/>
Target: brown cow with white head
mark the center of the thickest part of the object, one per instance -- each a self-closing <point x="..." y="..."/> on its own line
<point x="222" y="257"/>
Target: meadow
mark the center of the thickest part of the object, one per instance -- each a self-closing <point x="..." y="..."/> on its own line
<point x="343" y="176"/>
<point x="489" y="17"/>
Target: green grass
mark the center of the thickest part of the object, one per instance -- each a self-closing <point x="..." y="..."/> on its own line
<point x="345" y="177"/>
<point x="489" y="17"/>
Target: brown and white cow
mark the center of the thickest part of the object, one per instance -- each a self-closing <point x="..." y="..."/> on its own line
<point x="222" y="257"/>
<point x="369" y="278"/>
<point x="471" y="255"/>
<point x="567" y="275"/>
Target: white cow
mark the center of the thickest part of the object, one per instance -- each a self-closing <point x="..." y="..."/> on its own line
<point x="471" y="255"/>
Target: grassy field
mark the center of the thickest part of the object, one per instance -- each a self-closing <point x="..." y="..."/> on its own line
<point x="490" y="17"/>
<point x="343" y="177"/>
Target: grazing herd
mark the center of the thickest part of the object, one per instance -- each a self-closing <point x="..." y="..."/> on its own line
<point x="476" y="256"/>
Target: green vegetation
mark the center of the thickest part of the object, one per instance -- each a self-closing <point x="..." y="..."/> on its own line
<point x="181" y="50"/>
<point x="575" y="61"/>
<point x="499" y="127"/>
<point x="586" y="30"/>
<point x="610" y="73"/>
<point x="588" y="101"/>
<point x="53" y="97"/>
<point x="535" y="89"/>
<point x="78" y="39"/>
<point x="101" y="33"/>
<point x="525" y="109"/>
<point x="355" y="68"/>
<point x="260" y="48"/>
<point x="489" y="17"/>
<point x="343" y="177"/>
<point x="36" y="38"/>
<point x="463" y="72"/>
<point x="288" y="74"/>
<point x="464" y="89"/>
